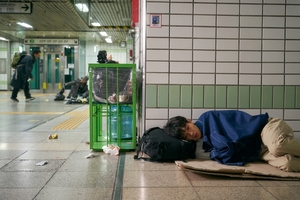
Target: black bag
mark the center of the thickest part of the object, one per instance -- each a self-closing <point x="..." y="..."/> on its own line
<point x="101" y="57"/>
<point x="60" y="96"/>
<point x="161" y="147"/>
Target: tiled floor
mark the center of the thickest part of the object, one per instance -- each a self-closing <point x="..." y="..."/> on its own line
<point x="69" y="175"/>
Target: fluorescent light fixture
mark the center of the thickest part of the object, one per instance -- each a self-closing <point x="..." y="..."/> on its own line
<point x="82" y="7"/>
<point x="108" y="40"/>
<point x="103" y="33"/>
<point x="4" y="39"/>
<point x="95" y="24"/>
<point x="25" y="25"/>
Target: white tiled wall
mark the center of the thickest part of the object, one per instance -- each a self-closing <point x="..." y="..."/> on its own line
<point x="6" y="71"/>
<point x="222" y="42"/>
<point x="119" y="54"/>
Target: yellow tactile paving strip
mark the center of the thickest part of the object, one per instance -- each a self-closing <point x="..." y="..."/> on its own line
<point x="21" y="98"/>
<point x="32" y="113"/>
<point x="77" y="118"/>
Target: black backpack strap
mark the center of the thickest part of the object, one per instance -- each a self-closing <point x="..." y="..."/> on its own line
<point x="138" y="149"/>
<point x="140" y="144"/>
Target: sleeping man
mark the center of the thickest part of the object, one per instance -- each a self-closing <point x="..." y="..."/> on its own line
<point x="235" y="138"/>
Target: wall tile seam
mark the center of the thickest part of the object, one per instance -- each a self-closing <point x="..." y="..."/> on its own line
<point x="237" y="85"/>
<point x="232" y="26"/>
<point x="245" y="3"/>
<point x="237" y="39"/>
<point x="220" y="61"/>
<point x="225" y="107"/>
<point x="242" y="73"/>
<point x="239" y="15"/>
<point x="237" y="50"/>
<point x="229" y="26"/>
<point x="233" y="73"/>
<point x="235" y="62"/>
<point x="229" y="50"/>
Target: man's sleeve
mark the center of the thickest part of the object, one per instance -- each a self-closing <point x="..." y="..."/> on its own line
<point x="28" y="67"/>
<point x="72" y="83"/>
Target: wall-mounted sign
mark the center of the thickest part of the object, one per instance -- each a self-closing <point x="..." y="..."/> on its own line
<point x="155" y="20"/>
<point x="50" y="41"/>
<point x="12" y="7"/>
<point x="122" y="44"/>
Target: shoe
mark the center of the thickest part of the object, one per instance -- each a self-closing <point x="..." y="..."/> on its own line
<point x="14" y="100"/>
<point x="29" y="99"/>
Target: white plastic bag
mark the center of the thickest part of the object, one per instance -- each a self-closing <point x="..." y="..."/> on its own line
<point x="111" y="149"/>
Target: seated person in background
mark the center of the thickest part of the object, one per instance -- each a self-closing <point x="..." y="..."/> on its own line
<point x="235" y="138"/>
<point x="110" y="60"/>
<point x="79" y="88"/>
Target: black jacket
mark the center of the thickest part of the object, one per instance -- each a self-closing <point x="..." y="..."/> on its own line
<point x="78" y="88"/>
<point x="110" y="61"/>
<point x="23" y="72"/>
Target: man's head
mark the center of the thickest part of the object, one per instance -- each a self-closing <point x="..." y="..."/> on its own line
<point x="84" y="79"/>
<point x="36" y="53"/>
<point x="182" y="128"/>
<point x="109" y="57"/>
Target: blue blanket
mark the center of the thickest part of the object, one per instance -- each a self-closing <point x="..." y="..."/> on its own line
<point x="232" y="137"/>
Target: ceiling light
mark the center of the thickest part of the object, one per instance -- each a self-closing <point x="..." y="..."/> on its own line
<point x="4" y="39"/>
<point x="82" y="7"/>
<point x="103" y="33"/>
<point x="108" y="40"/>
<point x="95" y="24"/>
<point x="25" y="25"/>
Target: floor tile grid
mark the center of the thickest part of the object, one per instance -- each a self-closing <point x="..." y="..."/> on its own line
<point x="146" y="180"/>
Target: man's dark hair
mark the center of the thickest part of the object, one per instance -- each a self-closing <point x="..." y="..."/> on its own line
<point x="175" y="126"/>
<point x="36" y="51"/>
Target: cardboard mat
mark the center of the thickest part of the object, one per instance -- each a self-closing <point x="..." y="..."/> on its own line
<point x="254" y="170"/>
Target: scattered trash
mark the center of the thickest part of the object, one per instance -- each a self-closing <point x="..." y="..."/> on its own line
<point x="53" y="136"/>
<point x="111" y="149"/>
<point x="42" y="163"/>
<point x="91" y="155"/>
<point x="87" y="142"/>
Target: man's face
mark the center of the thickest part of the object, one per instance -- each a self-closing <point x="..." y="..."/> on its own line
<point x="37" y="55"/>
<point x="191" y="131"/>
<point x="109" y="57"/>
<point x="83" y="81"/>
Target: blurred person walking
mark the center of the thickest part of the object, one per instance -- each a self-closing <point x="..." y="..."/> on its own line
<point x="22" y="76"/>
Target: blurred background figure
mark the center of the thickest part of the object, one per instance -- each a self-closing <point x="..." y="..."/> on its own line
<point x="110" y="60"/>
<point x="79" y="88"/>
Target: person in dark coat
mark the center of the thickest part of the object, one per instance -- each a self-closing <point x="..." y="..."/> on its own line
<point x="22" y="76"/>
<point x="110" y="60"/>
<point x="79" y="87"/>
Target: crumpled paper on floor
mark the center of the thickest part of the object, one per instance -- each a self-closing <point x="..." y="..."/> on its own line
<point x="111" y="149"/>
<point x="91" y="155"/>
<point x="42" y="163"/>
<point x="53" y="136"/>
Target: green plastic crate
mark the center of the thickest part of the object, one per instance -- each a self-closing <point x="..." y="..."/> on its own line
<point x="107" y="115"/>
